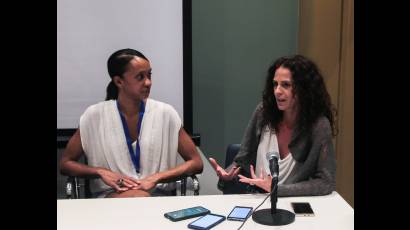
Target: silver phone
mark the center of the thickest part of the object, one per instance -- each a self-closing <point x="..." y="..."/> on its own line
<point x="302" y="209"/>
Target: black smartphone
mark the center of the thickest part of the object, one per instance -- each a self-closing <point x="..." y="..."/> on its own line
<point x="240" y="213"/>
<point x="186" y="213"/>
<point x="302" y="209"/>
<point x="206" y="222"/>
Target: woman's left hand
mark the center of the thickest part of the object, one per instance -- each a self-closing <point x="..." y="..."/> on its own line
<point x="263" y="181"/>
<point x="147" y="183"/>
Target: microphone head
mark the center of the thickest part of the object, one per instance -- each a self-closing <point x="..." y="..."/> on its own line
<point x="271" y="155"/>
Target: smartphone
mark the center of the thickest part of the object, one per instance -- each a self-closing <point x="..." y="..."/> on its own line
<point x="240" y="213"/>
<point x="302" y="209"/>
<point x="206" y="222"/>
<point x="186" y="213"/>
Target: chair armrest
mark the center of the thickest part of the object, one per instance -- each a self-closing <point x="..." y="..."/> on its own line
<point x="72" y="187"/>
<point x="184" y="181"/>
<point x="195" y="181"/>
<point x="69" y="189"/>
<point x="183" y="186"/>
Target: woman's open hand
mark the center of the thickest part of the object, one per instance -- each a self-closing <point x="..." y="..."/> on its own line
<point x="226" y="176"/>
<point x="263" y="181"/>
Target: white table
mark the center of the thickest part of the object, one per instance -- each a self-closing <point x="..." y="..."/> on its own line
<point x="331" y="212"/>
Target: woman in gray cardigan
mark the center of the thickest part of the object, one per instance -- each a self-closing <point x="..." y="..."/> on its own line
<point x="295" y="119"/>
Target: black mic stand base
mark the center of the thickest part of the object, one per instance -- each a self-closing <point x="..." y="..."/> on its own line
<point x="281" y="217"/>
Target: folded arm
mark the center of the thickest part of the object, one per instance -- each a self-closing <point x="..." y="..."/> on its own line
<point x="70" y="166"/>
<point x="193" y="164"/>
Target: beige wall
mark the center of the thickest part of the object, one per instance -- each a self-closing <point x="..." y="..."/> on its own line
<point x="326" y="36"/>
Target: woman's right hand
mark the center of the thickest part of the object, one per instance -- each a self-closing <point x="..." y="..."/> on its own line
<point x="263" y="181"/>
<point x="112" y="179"/>
<point x="222" y="174"/>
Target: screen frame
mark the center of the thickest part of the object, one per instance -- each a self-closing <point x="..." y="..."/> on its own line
<point x="64" y="134"/>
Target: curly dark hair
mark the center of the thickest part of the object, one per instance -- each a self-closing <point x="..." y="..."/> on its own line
<point x="308" y="84"/>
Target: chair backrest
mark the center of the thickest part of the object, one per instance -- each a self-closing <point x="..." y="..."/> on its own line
<point x="231" y="152"/>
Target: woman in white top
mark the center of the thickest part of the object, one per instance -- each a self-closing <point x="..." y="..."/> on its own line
<point x="131" y="142"/>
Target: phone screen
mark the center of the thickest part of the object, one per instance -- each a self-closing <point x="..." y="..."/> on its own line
<point x="206" y="222"/>
<point x="186" y="213"/>
<point x="302" y="209"/>
<point x="240" y="213"/>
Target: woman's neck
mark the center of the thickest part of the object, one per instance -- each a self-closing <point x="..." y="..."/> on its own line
<point x="127" y="106"/>
<point x="289" y="119"/>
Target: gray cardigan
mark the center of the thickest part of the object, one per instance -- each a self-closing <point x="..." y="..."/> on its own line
<point x="315" y="169"/>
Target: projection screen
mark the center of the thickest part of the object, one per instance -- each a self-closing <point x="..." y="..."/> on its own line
<point x="88" y="31"/>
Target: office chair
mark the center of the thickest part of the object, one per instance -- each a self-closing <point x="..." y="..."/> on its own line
<point x="74" y="186"/>
<point x="237" y="188"/>
<point x="231" y="152"/>
<point x="77" y="187"/>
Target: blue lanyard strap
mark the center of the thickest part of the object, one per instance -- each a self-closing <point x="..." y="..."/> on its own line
<point x="135" y="157"/>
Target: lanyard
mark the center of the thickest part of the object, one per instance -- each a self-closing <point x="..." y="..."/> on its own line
<point x="135" y="157"/>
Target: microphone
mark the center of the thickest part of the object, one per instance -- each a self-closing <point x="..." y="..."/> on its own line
<point x="273" y="216"/>
<point x="273" y="157"/>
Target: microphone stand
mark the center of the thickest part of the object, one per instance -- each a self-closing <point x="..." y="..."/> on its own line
<point x="273" y="195"/>
<point x="272" y="216"/>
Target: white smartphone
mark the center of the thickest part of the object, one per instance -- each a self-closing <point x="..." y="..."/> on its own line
<point x="302" y="209"/>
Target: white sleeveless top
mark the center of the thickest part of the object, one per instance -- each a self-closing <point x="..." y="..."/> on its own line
<point x="269" y="143"/>
<point x="104" y="143"/>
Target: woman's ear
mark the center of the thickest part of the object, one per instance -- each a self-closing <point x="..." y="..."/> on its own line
<point x="117" y="81"/>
